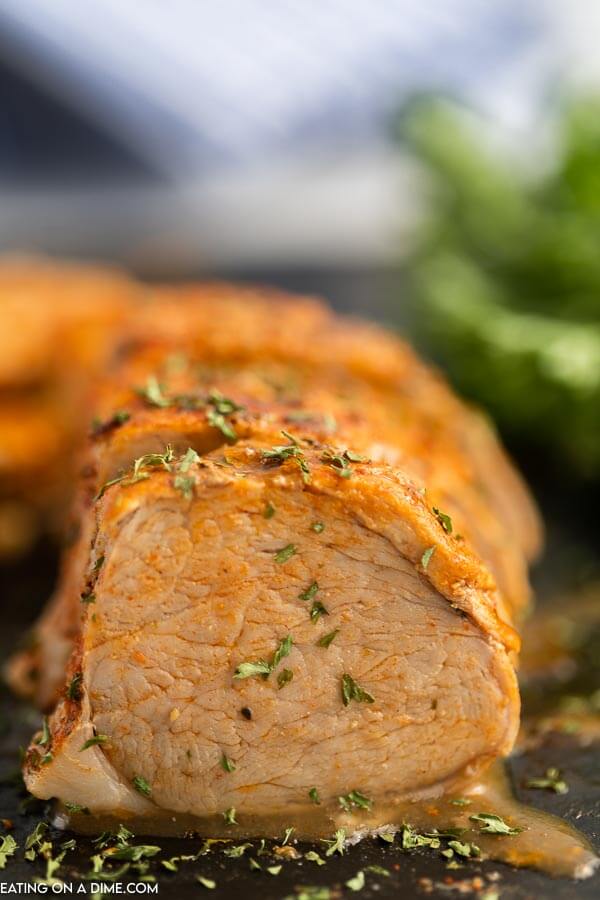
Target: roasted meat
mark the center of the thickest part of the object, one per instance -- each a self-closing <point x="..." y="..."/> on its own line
<point x="271" y="582"/>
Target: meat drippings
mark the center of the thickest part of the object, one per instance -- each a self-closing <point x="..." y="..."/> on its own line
<point x="546" y="842"/>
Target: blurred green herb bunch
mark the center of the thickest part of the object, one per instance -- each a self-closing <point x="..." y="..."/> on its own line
<point x="505" y="275"/>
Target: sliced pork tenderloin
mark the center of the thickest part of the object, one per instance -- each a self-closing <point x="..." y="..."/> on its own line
<point x="267" y="625"/>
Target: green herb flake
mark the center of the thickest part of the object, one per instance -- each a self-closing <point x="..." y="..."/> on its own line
<point x="77" y="808"/>
<point x="387" y="837"/>
<point x="317" y="527"/>
<point x="289" y="451"/>
<point x="153" y="393"/>
<point x="328" y="638"/>
<point x="142" y="786"/>
<point x="352" y="691"/>
<point x="8" y="846"/>
<point x="254" y="866"/>
<point x="269" y="510"/>
<point x="261" y="667"/>
<point x="461" y="801"/>
<point x="444" y="519"/>
<point x="314" y="795"/>
<point x="284" y="677"/>
<point x="236" y="851"/>
<point x="45" y="737"/>
<point x="550" y="782"/>
<point x="317" y="610"/>
<point x="226" y="764"/>
<point x="250" y="669"/>
<point x="378" y="870"/>
<point x="354" y="799"/>
<point x="229" y="816"/>
<point x="185" y="484"/>
<point x="358" y="882"/>
<point x="206" y="882"/>
<point x="282" y="651"/>
<point x="285" y="553"/>
<point x="313" y="856"/>
<point x="274" y="870"/>
<point x="74" y="687"/>
<point x="492" y="824"/>
<point x="93" y="741"/>
<point x="411" y="839"/>
<point x="464" y="849"/>
<point x="310" y="592"/>
<point x="135" y="853"/>
<point x="218" y="420"/>
<point x="426" y="558"/>
<point x="98" y="564"/>
<point x="88" y="596"/>
<point x="337" y="844"/>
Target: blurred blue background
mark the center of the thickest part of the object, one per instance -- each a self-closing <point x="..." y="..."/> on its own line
<point x="251" y="132"/>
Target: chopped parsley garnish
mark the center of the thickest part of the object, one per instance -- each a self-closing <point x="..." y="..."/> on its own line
<point x="250" y="669"/>
<point x="8" y="846"/>
<point x="185" y="484"/>
<point x="289" y="451"/>
<point x="149" y="460"/>
<point x="337" y="844"/>
<point x="274" y="870"/>
<point x="465" y="850"/>
<point x="314" y="795"/>
<point x="317" y="610"/>
<point x="317" y="527"/>
<point x="102" y="427"/>
<point x="237" y="851"/>
<point x="261" y="667"/>
<point x="283" y="650"/>
<point x="550" y="782"/>
<point x="492" y="824"/>
<point x="229" y="816"/>
<point x="426" y="558"/>
<point x="284" y="677"/>
<point x="358" y="882"/>
<point x="444" y="520"/>
<point x="288" y="833"/>
<point x="218" y="420"/>
<point x="182" y="481"/>
<point x="136" y="852"/>
<point x="354" y="799"/>
<point x="313" y="856"/>
<point x="88" y="596"/>
<point x="142" y="786"/>
<point x="412" y="839"/>
<point x="206" y="882"/>
<point x="269" y="510"/>
<point x="352" y="691"/>
<point x="93" y="741"/>
<point x="98" y="564"/>
<point x="310" y="591"/>
<point x="285" y="553"/>
<point x="74" y="687"/>
<point x="153" y="393"/>
<point x="45" y="737"/>
<point x="340" y="462"/>
<point x="326" y="639"/>
<point x="461" y="801"/>
<point x="227" y="764"/>
<point x="76" y="808"/>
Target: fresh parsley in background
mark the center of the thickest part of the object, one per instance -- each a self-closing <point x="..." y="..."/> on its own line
<point x="504" y="279"/>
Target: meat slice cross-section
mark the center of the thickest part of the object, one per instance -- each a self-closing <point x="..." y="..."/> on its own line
<point x="271" y="621"/>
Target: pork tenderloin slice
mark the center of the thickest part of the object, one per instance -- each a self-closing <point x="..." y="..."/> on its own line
<point x="196" y="584"/>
